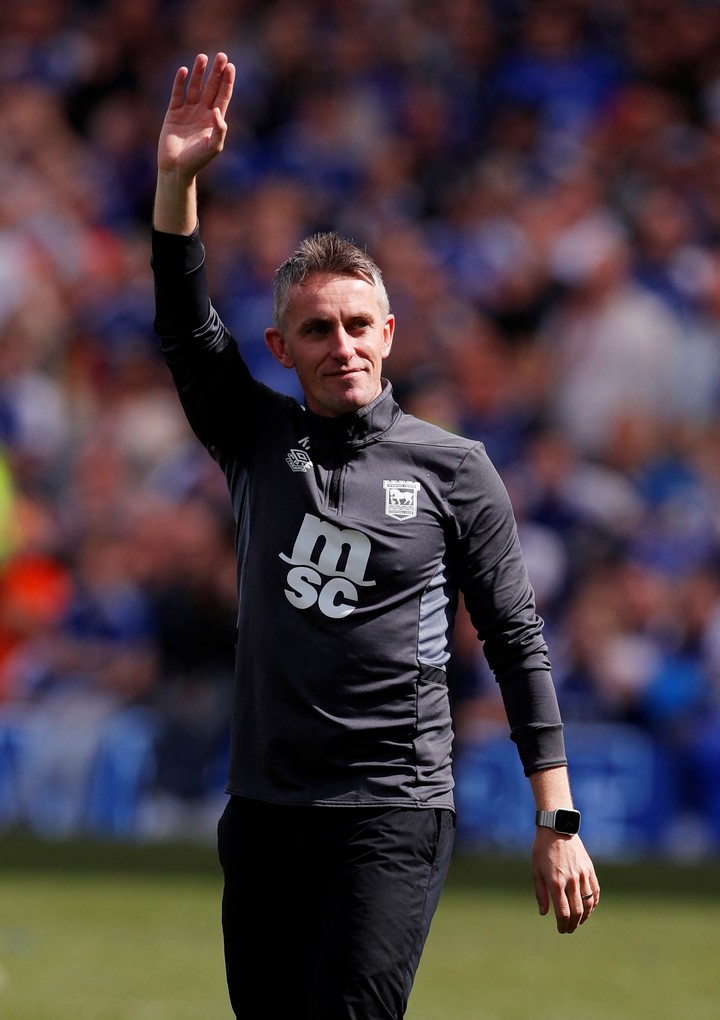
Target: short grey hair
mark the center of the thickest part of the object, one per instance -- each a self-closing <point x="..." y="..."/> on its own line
<point x="331" y="254"/>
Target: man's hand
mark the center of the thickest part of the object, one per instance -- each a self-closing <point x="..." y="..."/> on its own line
<point x="194" y="128"/>
<point x="193" y="133"/>
<point x="564" y="875"/>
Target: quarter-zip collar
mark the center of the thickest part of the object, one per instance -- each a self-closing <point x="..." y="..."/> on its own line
<point x="359" y="428"/>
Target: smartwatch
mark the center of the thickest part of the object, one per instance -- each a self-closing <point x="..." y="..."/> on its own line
<point x="564" y="820"/>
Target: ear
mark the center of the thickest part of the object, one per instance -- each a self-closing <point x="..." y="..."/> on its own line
<point x="388" y="334"/>
<point x="278" y="348"/>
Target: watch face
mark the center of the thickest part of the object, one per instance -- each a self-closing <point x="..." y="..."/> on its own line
<point x="567" y="821"/>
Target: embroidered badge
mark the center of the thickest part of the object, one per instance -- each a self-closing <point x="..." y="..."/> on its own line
<point x="400" y="499"/>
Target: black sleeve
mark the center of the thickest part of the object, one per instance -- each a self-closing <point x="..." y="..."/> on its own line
<point x="220" y="398"/>
<point x="182" y="303"/>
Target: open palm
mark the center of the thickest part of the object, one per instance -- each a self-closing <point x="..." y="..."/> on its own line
<point x="194" y="128"/>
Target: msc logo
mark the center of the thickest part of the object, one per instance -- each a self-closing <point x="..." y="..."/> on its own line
<point x="328" y="564"/>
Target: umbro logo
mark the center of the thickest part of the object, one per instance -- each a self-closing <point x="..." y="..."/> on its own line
<point x="298" y="460"/>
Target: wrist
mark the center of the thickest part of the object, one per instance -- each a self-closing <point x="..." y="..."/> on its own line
<point x="565" y="821"/>
<point x="176" y="177"/>
<point x="175" y="210"/>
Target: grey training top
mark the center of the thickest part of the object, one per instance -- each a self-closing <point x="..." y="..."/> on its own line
<point x="354" y="537"/>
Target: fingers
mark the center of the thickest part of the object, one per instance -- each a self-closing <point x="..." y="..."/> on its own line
<point x="219" y="131"/>
<point x="217" y="89"/>
<point x="219" y="86"/>
<point x="177" y="96"/>
<point x="589" y="897"/>
<point x="215" y="93"/>
<point x="567" y="907"/>
<point x="575" y="902"/>
<point x="195" y="81"/>
<point x="568" y="913"/>
<point x="581" y="907"/>
<point x="542" y="895"/>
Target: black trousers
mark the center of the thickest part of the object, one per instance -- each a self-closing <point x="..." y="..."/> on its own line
<point x="326" y="909"/>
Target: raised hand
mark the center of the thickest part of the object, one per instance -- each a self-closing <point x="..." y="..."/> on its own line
<point x="194" y="129"/>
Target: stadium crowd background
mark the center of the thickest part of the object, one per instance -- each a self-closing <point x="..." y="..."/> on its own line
<point x="540" y="182"/>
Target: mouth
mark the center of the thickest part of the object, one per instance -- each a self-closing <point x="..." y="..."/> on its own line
<point x="346" y="373"/>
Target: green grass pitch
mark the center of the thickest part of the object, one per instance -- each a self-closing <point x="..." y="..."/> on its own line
<point x="92" y="932"/>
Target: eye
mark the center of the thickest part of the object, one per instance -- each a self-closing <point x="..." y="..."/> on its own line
<point x="317" y="329"/>
<point x="359" y="325"/>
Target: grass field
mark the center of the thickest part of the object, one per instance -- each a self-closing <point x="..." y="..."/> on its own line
<point x="131" y="933"/>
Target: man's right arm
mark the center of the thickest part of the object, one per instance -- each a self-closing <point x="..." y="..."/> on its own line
<point x="192" y="135"/>
<point x="212" y="381"/>
<point x="207" y="369"/>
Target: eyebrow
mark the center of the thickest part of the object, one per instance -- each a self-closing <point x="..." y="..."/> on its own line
<point x="328" y="320"/>
<point x="315" y="320"/>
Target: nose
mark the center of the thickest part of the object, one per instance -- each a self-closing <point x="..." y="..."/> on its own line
<point x="342" y="346"/>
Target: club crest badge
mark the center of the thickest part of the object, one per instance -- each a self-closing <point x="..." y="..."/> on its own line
<point x="401" y="499"/>
<point x="298" y="460"/>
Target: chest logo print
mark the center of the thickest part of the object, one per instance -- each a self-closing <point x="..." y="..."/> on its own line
<point x="298" y="460"/>
<point x="328" y="564"/>
<point x="400" y="499"/>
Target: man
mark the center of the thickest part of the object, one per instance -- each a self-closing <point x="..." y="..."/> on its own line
<point x="357" y="526"/>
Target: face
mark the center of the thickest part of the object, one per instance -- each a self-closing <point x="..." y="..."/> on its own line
<point x="336" y="338"/>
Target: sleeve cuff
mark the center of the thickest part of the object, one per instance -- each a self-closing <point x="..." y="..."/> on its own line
<point x="178" y="253"/>
<point x="540" y="747"/>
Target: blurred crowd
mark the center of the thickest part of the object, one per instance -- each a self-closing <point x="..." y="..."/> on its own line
<point x="539" y="180"/>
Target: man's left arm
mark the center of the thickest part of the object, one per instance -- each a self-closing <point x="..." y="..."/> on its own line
<point x="501" y="602"/>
